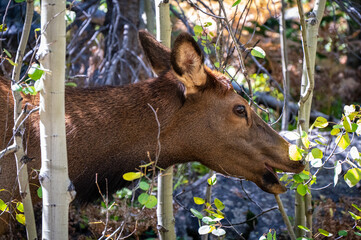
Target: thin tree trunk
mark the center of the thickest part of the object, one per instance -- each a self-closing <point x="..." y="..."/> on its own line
<point x="149" y="12"/>
<point x="303" y="204"/>
<point x="54" y="166"/>
<point x="286" y="79"/>
<point x="208" y="200"/>
<point x="21" y="166"/>
<point x="165" y="180"/>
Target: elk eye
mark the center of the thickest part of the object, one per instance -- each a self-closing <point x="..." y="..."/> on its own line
<point x="240" y="110"/>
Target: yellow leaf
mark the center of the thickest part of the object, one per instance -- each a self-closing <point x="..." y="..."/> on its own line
<point x="130" y="176"/>
<point x="20" y="218"/>
<point x="198" y="201"/>
<point x="295" y="153"/>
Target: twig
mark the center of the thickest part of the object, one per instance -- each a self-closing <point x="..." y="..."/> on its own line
<point x="291" y="233"/>
<point x="251" y="219"/>
<point x="243" y="68"/>
<point x="116" y="230"/>
<point x="209" y="14"/>
<point x="105" y="202"/>
<point x="11" y="149"/>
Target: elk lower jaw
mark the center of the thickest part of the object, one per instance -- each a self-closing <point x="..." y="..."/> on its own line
<point x="271" y="181"/>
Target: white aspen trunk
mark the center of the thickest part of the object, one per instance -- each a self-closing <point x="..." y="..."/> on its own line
<point x="166" y="222"/>
<point x="21" y="166"/>
<point x="303" y="204"/>
<point x="54" y="171"/>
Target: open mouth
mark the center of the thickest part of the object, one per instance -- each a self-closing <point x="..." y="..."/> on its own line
<point x="271" y="176"/>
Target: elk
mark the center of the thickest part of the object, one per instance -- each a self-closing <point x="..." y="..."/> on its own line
<point x="111" y="129"/>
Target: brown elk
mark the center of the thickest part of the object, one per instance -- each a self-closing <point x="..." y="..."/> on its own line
<point x="111" y="129"/>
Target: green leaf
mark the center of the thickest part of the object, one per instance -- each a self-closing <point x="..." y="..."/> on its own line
<point x="196" y="213"/>
<point x="29" y="90"/>
<point x="335" y="131"/>
<point x="207" y="50"/>
<point x="130" y="176"/>
<point x="199" y="201"/>
<point x="301" y="189"/>
<point x="353" y="176"/>
<point x="219" y="205"/>
<point x="343" y="141"/>
<point x="304" y="175"/>
<point x="219" y="215"/>
<point x="144" y="185"/>
<point x="324" y="232"/>
<point x="317" y="153"/>
<point x="20" y="206"/>
<point x="347" y="124"/>
<point x="216" y="64"/>
<point x="357" y="207"/>
<point x="19" y="1"/>
<point x="295" y="153"/>
<point x="305" y="140"/>
<point x="39" y="192"/>
<point x="143" y="198"/>
<point x="354" y="216"/>
<point x="3" y="206"/>
<point x="198" y="29"/>
<point x="284" y="178"/>
<point x="204" y="230"/>
<point x="358" y="234"/>
<point x="35" y="72"/>
<point x="20" y="218"/>
<point x="236" y="3"/>
<point x="152" y="202"/>
<point x="297" y="178"/>
<point x="11" y="62"/>
<point x="342" y="233"/>
<point x="258" y="52"/>
<point x="16" y="87"/>
<point x="212" y="180"/>
<point x="6" y="51"/>
<point x="73" y="84"/>
<point x="321" y="122"/>
<point x="304" y="228"/>
<point x="219" y="232"/>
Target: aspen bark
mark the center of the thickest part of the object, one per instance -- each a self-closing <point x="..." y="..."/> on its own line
<point x="54" y="171"/>
<point x="149" y="12"/>
<point x="22" y="170"/>
<point x="166" y="222"/>
<point x="303" y="204"/>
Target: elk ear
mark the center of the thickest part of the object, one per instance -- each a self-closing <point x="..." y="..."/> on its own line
<point x="187" y="62"/>
<point x="157" y="54"/>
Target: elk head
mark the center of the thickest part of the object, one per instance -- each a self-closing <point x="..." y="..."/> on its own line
<point x="215" y="125"/>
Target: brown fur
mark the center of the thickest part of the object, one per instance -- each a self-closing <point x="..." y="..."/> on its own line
<point x="111" y="129"/>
